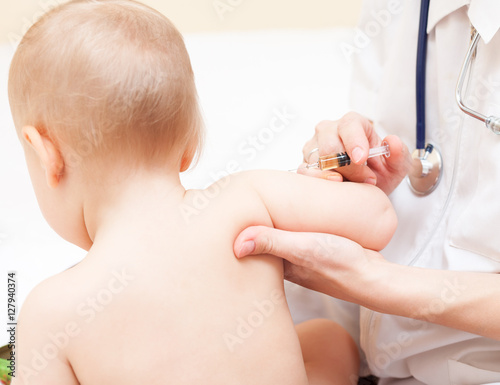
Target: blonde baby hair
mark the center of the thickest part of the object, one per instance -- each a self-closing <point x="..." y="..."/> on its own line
<point x="108" y="80"/>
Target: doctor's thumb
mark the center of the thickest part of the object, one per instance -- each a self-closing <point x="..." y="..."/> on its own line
<point x="261" y="240"/>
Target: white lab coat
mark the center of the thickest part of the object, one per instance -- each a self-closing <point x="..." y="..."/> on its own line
<point x="457" y="227"/>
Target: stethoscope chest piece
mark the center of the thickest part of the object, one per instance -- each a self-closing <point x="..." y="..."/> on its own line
<point x="426" y="170"/>
<point x="427" y="163"/>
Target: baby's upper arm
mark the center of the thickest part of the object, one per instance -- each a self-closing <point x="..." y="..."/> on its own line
<point x="42" y="339"/>
<point x="360" y="212"/>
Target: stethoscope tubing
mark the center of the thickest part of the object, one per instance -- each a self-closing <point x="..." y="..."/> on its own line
<point x="421" y="72"/>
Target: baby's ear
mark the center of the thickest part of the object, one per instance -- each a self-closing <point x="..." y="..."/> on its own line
<point x="48" y="153"/>
<point x="187" y="159"/>
<point x="186" y="162"/>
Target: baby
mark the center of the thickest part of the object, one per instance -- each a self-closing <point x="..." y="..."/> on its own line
<point x="104" y="101"/>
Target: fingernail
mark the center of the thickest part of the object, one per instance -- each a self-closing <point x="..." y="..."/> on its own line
<point x="357" y="154"/>
<point x="372" y="181"/>
<point x="334" y="178"/>
<point x="247" y="248"/>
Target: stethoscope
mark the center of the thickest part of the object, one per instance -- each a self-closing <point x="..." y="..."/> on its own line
<point x="427" y="160"/>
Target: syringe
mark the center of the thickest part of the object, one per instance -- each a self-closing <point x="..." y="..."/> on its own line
<point x="341" y="159"/>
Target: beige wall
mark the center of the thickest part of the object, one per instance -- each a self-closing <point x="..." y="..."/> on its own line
<point x="208" y="15"/>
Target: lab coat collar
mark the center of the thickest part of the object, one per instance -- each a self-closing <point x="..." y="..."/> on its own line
<point x="485" y="17"/>
<point x="483" y="14"/>
<point x="439" y="9"/>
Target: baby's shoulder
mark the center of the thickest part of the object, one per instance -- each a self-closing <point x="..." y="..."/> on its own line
<point x="241" y="198"/>
<point x="50" y="301"/>
<point x="248" y="182"/>
<point x="45" y="331"/>
<point x="241" y="191"/>
<point x="251" y="177"/>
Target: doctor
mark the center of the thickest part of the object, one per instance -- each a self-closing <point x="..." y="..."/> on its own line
<point x="430" y="307"/>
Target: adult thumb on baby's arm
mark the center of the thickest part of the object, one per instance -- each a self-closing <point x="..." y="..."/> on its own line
<point x="257" y="240"/>
<point x="252" y="241"/>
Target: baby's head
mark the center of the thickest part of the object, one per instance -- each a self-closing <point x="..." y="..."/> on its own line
<point x="99" y="90"/>
<point x="110" y="82"/>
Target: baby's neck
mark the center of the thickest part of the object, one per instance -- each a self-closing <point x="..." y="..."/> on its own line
<point x="127" y="202"/>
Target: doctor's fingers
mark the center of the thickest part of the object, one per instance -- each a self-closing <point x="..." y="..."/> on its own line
<point x="317" y="173"/>
<point x="323" y="262"/>
<point x="400" y="161"/>
<point x="358" y="136"/>
<point x="331" y="138"/>
<point x="317" y="280"/>
<point x="298" y="248"/>
<point x="325" y="139"/>
<point x="358" y="173"/>
<point x="392" y="170"/>
<point x="330" y="268"/>
<point x="353" y="133"/>
<point x="351" y="173"/>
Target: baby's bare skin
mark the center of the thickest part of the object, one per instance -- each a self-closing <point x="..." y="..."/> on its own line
<point x="160" y="297"/>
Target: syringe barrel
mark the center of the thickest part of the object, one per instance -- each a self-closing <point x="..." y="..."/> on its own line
<point x="341" y="159"/>
<point x="329" y="162"/>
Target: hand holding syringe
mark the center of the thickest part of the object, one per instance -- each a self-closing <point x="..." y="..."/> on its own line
<point x="341" y="159"/>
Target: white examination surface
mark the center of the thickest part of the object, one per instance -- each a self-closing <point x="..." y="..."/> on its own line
<point x="261" y="92"/>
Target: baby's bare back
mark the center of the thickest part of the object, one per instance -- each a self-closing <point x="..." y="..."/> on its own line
<point x="172" y="305"/>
